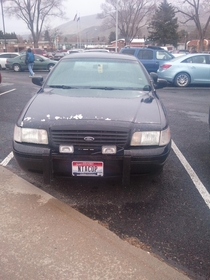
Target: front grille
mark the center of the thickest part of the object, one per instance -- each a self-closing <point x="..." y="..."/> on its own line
<point x="76" y="138"/>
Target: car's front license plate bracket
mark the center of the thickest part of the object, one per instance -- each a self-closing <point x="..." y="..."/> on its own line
<point x="88" y="168"/>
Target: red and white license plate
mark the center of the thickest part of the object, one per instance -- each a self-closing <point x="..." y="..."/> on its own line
<point x="87" y="168"/>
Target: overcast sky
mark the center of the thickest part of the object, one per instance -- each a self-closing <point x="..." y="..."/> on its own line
<point x="81" y="7"/>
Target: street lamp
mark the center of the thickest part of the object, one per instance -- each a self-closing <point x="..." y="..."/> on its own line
<point x="116" y="31"/>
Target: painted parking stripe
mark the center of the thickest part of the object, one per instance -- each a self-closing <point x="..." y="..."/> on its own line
<point x="198" y="184"/>
<point x="7" y="159"/>
<point x="7" y="91"/>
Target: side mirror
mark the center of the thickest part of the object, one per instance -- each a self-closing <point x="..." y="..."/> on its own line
<point x="38" y="81"/>
<point x="158" y="83"/>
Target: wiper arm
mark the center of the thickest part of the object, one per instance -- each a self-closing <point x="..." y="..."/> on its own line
<point x="62" y="86"/>
<point x="106" y="88"/>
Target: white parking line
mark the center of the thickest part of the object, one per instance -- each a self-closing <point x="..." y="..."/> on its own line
<point x="198" y="184"/>
<point x="7" y="159"/>
<point x="7" y="91"/>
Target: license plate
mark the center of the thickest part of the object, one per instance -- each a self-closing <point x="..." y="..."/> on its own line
<point x="87" y="168"/>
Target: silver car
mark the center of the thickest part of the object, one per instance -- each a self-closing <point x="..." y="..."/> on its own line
<point x="187" y="69"/>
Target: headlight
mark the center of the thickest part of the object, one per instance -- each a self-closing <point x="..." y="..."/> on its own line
<point x="151" y="138"/>
<point x="30" y="135"/>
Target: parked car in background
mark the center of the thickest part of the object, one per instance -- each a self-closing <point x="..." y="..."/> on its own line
<point x="4" y="56"/>
<point x="96" y="50"/>
<point x="40" y="52"/>
<point x="96" y="114"/>
<point x="40" y="63"/>
<point x="75" y="51"/>
<point x="209" y="123"/>
<point x="37" y="51"/>
<point x="58" y="55"/>
<point x="151" y="57"/>
<point x="180" y="52"/>
<point x="185" y="70"/>
<point x="50" y="55"/>
<point x="183" y="51"/>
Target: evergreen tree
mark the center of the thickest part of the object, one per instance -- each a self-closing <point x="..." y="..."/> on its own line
<point x="46" y="35"/>
<point x="112" y="36"/>
<point x="163" y="28"/>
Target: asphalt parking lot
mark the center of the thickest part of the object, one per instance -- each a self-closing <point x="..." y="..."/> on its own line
<point x="167" y="215"/>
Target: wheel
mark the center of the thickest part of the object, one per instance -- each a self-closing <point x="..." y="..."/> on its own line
<point x="182" y="80"/>
<point x="50" y="66"/>
<point x="16" y="67"/>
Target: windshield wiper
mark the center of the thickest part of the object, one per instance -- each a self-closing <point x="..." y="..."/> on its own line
<point x="106" y="88"/>
<point x="62" y="86"/>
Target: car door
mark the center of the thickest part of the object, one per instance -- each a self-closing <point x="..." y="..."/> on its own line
<point x="39" y="62"/>
<point x="21" y="61"/>
<point x="146" y="56"/>
<point x="198" y="68"/>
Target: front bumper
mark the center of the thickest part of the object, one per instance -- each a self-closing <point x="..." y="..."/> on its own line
<point x="135" y="161"/>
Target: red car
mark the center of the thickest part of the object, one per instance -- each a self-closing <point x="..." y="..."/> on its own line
<point x="40" y="52"/>
<point x="57" y="56"/>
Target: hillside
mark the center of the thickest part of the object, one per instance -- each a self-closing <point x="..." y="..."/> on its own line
<point x="89" y="28"/>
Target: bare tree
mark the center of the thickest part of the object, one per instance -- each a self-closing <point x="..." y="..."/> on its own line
<point x="197" y="11"/>
<point x="132" y="16"/>
<point x="52" y="35"/>
<point x="34" y="13"/>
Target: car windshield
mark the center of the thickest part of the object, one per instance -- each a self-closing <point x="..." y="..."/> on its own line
<point x="100" y="74"/>
<point x="164" y="55"/>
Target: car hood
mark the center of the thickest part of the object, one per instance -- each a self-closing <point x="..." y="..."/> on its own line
<point x="55" y="108"/>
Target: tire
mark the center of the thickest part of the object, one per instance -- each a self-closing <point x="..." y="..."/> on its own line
<point x="50" y="66"/>
<point x="16" y="67"/>
<point x="182" y="80"/>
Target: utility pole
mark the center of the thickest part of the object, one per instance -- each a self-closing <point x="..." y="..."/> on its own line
<point x="5" y="42"/>
<point x="116" y="31"/>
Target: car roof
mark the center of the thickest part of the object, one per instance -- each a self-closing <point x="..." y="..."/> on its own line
<point x="96" y="50"/>
<point x="184" y="56"/>
<point x="145" y="48"/>
<point x="9" y="52"/>
<point x="103" y="55"/>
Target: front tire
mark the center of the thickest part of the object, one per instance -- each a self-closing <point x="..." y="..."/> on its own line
<point x="182" y="80"/>
<point x="16" y="67"/>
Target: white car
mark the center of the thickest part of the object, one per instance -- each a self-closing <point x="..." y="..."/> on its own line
<point x="4" y="56"/>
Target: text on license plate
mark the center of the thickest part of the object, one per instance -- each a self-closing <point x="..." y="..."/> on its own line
<point x="87" y="168"/>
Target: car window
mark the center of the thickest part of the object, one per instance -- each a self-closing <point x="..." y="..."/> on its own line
<point x="163" y="55"/>
<point x="6" y="55"/>
<point x="195" y="59"/>
<point x="13" y="55"/>
<point x="128" y="51"/>
<point x="145" y="54"/>
<point x="92" y="73"/>
<point x="39" y="57"/>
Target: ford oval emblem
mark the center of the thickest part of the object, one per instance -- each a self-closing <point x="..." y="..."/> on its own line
<point x="89" y="139"/>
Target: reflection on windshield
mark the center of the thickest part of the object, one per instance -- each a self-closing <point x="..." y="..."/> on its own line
<point x="98" y="74"/>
